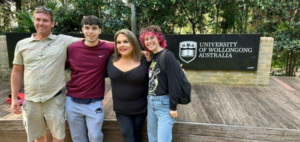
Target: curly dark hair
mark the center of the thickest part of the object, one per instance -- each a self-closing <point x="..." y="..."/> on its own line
<point x="91" y="20"/>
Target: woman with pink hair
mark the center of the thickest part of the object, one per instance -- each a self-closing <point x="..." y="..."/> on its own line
<point x="163" y="87"/>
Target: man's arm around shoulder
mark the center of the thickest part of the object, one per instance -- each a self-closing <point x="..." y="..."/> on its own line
<point x="16" y="82"/>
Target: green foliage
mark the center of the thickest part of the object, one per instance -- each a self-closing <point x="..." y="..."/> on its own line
<point x="280" y="19"/>
<point x="173" y="14"/>
<point x="230" y="16"/>
<point x="275" y="18"/>
<point x="6" y="16"/>
<point x="53" y="5"/>
<point x="287" y="47"/>
<point x="25" y="20"/>
<point x="87" y="7"/>
<point x="115" y="16"/>
<point x="157" y="12"/>
<point x="68" y="17"/>
<point x="66" y="21"/>
<point x="193" y="11"/>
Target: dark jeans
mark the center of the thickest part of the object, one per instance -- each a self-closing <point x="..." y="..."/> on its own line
<point x="131" y="126"/>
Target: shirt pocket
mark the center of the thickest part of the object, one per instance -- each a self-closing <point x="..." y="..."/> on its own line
<point x="53" y="51"/>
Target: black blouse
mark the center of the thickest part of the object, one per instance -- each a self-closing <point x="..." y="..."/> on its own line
<point x="129" y="89"/>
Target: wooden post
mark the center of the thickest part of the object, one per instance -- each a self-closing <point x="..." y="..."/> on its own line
<point x="133" y="19"/>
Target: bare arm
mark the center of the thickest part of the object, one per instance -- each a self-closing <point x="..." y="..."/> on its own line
<point x="148" y="55"/>
<point x="107" y="41"/>
<point x="16" y="82"/>
<point x="111" y="42"/>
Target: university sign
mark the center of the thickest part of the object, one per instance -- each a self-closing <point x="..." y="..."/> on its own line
<point x="197" y="52"/>
<point x="216" y="52"/>
<point x="187" y="51"/>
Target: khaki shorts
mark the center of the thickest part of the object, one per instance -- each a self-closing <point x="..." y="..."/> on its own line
<point x="37" y="116"/>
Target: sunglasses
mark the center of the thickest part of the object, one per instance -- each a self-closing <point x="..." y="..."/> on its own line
<point x="43" y="8"/>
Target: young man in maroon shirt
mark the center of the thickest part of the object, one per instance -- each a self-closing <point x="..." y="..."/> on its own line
<point x="87" y="61"/>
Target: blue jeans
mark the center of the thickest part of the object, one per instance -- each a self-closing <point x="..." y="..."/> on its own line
<point x="159" y="120"/>
<point x="85" y="120"/>
<point x="131" y="126"/>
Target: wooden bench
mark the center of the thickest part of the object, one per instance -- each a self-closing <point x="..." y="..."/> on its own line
<point x="217" y="113"/>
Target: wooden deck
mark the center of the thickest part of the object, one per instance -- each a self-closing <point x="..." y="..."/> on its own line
<point x="223" y="113"/>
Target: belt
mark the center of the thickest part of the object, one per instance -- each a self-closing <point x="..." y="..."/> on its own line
<point x="58" y="93"/>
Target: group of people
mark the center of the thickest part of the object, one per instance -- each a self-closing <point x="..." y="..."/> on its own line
<point x="41" y="61"/>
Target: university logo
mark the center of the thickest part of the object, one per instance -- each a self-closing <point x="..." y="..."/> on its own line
<point x="187" y="51"/>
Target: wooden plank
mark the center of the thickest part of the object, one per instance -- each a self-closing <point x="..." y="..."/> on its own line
<point x="291" y="96"/>
<point x="262" y="109"/>
<point x="251" y="107"/>
<point x="273" y="111"/>
<point x="194" y="131"/>
<point x="20" y="136"/>
<point x="11" y="125"/>
<point x="10" y="115"/>
<point x="4" y="113"/>
<point x="108" y="102"/>
<point x="291" y="81"/>
<point x="238" y="107"/>
<point x="199" y="138"/>
<point x="283" y="84"/>
<point x="180" y="111"/>
<point x="286" y="111"/>
<point x="3" y="95"/>
<point x="4" y="85"/>
<point x="224" y="106"/>
<point x="208" y="102"/>
<point x="107" y="98"/>
<point x="13" y="136"/>
<point x="237" y="132"/>
<point x="192" y="112"/>
<point x="108" y="110"/>
<point x="289" y="100"/>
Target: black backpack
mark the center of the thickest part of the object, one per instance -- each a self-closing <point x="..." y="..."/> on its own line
<point x="185" y="94"/>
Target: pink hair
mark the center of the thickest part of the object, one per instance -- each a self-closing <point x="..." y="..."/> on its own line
<point x="153" y="30"/>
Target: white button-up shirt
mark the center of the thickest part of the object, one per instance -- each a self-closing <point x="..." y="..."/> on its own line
<point x="44" y="65"/>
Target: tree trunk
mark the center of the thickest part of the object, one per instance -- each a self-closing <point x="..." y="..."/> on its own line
<point x="287" y="64"/>
<point x="294" y="63"/>
<point x="291" y="62"/>
<point x="246" y="20"/>
<point x="217" y="18"/>
<point x="133" y="18"/>
<point x="194" y="28"/>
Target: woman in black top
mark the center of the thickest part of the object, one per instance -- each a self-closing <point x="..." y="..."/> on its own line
<point x="128" y="72"/>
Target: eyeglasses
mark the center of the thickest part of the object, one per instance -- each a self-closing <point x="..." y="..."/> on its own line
<point x="43" y="8"/>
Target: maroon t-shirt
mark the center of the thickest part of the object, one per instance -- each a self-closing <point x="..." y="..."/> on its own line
<point x="88" y="65"/>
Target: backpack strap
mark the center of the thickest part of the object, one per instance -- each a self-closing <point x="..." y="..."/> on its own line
<point x="163" y="60"/>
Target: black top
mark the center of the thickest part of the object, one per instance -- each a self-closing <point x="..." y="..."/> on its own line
<point x="129" y="89"/>
<point x="161" y="83"/>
